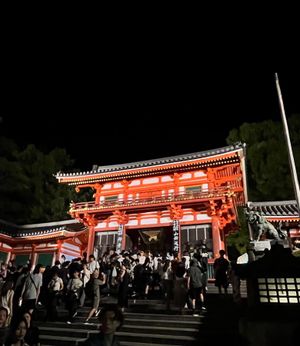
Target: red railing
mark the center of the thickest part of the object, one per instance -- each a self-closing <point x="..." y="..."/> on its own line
<point x="208" y="194"/>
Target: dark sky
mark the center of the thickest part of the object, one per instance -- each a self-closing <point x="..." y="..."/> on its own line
<point x="108" y="112"/>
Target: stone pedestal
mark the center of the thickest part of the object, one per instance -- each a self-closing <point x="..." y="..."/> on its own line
<point x="261" y="245"/>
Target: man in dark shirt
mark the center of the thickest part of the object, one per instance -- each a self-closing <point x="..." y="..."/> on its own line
<point x="221" y="266"/>
<point x="111" y="319"/>
<point x="195" y="283"/>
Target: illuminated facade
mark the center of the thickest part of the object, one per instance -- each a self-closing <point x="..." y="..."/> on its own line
<point x="42" y="243"/>
<point x="166" y="205"/>
<point x="170" y="204"/>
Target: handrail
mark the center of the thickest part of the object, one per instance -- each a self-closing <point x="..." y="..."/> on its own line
<point x="151" y="200"/>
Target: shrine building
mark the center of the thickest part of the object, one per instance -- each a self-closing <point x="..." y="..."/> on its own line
<point x="171" y="204"/>
<point x="41" y="243"/>
<point x="164" y="205"/>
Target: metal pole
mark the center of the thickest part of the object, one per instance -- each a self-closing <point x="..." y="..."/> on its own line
<point x="290" y="150"/>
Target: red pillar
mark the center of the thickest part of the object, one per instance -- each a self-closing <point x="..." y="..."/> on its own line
<point x="58" y="251"/>
<point x="176" y="183"/>
<point x="33" y="256"/>
<point x="125" y="184"/>
<point x="97" y="194"/>
<point x="91" y="240"/>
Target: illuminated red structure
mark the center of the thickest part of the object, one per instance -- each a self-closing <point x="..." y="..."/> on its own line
<point x="43" y="242"/>
<point x="164" y="205"/>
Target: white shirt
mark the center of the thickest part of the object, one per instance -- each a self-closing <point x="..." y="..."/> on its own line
<point x="92" y="266"/>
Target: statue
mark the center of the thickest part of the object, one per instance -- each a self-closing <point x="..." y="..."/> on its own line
<point x="261" y="226"/>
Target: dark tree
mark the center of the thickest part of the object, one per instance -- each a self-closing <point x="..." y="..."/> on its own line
<point x="29" y="191"/>
<point x="237" y="242"/>
<point x="268" y="171"/>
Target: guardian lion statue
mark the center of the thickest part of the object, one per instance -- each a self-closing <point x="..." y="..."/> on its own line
<point x="261" y="226"/>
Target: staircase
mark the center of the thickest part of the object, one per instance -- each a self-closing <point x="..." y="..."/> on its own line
<point x="147" y="323"/>
<point x="142" y="329"/>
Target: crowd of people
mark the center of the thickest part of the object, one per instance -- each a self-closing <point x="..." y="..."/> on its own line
<point x="181" y="282"/>
<point x="19" y="293"/>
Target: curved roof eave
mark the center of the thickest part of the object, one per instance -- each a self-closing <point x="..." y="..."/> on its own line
<point x="185" y="158"/>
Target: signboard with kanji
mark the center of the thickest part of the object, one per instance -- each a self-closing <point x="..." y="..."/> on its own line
<point x="176" y="240"/>
<point x="120" y="238"/>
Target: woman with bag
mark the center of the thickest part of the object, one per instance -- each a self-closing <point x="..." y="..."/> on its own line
<point x="31" y="289"/>
<point x="74" y="288"/>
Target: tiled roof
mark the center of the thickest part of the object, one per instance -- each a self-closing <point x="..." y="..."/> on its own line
<point x="276" y="208"/>
<point x="160" y="161"/>
<point x="13" y="230"/>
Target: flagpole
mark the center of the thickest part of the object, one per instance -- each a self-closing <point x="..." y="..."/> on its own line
<point x="288" y="140"/>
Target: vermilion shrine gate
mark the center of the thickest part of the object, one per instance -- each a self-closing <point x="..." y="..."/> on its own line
<point x="167" y="204"/>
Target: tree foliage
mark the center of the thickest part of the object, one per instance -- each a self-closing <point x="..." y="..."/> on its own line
<point x="29" y="191"/>
<point x="268" y="171"/>
<point x="239" y="240"/>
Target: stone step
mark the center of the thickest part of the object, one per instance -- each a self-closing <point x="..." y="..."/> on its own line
<point x="57" y="325"/>
<point x="146" y="315"/>
<point x="61" y="340"/>
<point x="128" y="337"/>
<point x="146" y="325"/>
<point x="142" y="309"/>
<point x="166" y="322"/>
<point x="108" y="300"/>
<point x="173" y="317"/>
<point x="166" y="332"/>
<point x="159" y="329"/>
<point x="151" y="328"/>
<point x="148" y="321"/>
<point x="81" y="332"/>
<point x="156" y="338"/>
<point x="130" y="343"/>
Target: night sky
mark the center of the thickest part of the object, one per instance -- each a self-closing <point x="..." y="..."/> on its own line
<point x="123" y="112"/>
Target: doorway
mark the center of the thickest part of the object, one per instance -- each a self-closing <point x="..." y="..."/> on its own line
<point x="156" y="240"/>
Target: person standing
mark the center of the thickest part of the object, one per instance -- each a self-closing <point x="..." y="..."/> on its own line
<point x="7" y="296"/>
<point x="221" y="266"/>
<point x="95" y="284"/>
<point x="73" y="293"/>
<point x="55" y="288"/>
<point x="92" y="264"/>
<point x="32" y="336"/>
<point x="18" y="333"/>
<point x="195" y="283"/>
<point x="123" y="287"/>
<point x="85" y="277"/>
<point x="31" y="289"/>
<point x="204" y="267"/>
<point x="4" y="328"/>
